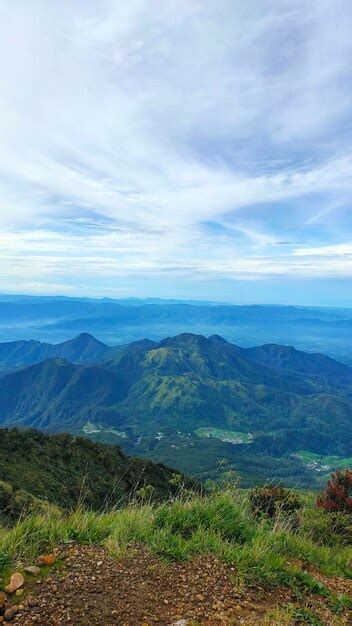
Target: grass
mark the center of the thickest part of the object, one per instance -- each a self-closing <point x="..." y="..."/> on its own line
<point x="324" y="463"/>
<point x="229" y="436"/>
<point x="288" y="615"/>
<point x="262" y="551"/>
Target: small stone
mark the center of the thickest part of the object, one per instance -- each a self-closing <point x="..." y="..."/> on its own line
<point x="10" y="613"/>
<point x="32" y="601"/>
<point x="99" y="563"/>
<point x="200" y="597"/>
<point x="16" y="582"/>
<point x="33" y="570"/>
<point x="3" y="599"/>
<point x="19" y="592"/>
<point x="180" y="622"/>
<point x="47" y="559"/>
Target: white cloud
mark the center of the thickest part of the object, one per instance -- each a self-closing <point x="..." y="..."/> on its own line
<point x="342" y="249"/>
<point x="160" y="117"/>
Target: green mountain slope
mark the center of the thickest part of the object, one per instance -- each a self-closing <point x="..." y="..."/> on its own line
<point x="67" y="471"/>
<point x="159" y="399"/>
<point x="288" y="358"/>
<point x="57" y="395"/>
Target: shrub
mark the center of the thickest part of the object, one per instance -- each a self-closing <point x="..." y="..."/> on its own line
<point x="338" y="493"/>
<point x="271" y="499"/>
<point x="6" y="496"/>
<point x="333" y="529"/>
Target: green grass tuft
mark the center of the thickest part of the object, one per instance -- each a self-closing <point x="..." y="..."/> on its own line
<point x="261" y="551"/>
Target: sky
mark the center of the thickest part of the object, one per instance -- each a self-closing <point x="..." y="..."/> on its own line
<point x="184" y="148"/>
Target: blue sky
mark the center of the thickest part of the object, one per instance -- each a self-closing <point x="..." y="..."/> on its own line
<point x="194" y="149"/>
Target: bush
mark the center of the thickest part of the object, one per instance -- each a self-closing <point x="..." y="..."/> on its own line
<point x="333" y="529"/>
<point x="6" y="496"/>
<point x="338" y="493"/>
<point x="271" y="499"/>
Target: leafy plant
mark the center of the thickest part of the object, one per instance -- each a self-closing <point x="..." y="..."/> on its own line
<point x="271" y="499"/>
<point x="337" y="495"/>
<point x="302" y="615"/>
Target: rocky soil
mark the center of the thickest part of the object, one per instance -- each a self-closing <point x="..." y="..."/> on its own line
<point x="83" y="585"/>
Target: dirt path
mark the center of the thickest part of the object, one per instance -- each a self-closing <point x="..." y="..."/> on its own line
<point x="89" y="587"/>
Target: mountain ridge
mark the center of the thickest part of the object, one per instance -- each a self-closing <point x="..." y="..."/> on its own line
<point x="155" y="399"/>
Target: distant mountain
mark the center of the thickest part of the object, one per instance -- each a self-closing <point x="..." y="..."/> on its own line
<point x="84" y="348"/>
<point x="67" y="471"/>
<point x="289" y="359"/>
<point x="57" y="395"/>
<point x="191" y="399"/>
<point x="55" y="319"/>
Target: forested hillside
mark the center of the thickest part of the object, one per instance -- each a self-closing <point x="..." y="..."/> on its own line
<point x="191" y="401"/>
<point x="37" y="470"/>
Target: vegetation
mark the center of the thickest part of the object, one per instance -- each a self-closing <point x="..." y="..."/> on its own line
<point x="67" y="471"/>
<point x="229" y="436"/>
<point x="271" y="500"/>
<point x="338" y="493"/>
<point x="265" y="551"/>
<point x="189" y="398"/>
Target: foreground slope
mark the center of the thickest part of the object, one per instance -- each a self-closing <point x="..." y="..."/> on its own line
<point x="199" y="559"/>
<point x="68" y="471"/>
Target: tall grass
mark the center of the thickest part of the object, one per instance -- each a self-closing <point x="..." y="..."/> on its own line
<point x="220" y="524"/>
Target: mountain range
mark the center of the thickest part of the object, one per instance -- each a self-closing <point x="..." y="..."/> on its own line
<point x="190" y="401"/>
<point x="121" y="321"/>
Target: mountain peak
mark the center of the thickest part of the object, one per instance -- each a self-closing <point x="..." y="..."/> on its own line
<point x="184" y="340"/>
<point x="84" y="339"/>
<point x="218" y="339"/>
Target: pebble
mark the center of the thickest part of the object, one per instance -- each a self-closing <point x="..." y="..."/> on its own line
<point x="16" y="582"/>
<point x="3" y="599"/>
<point x="32" y="601"/>
<point x="10" y="613"/>
<point x="33" y="570"/>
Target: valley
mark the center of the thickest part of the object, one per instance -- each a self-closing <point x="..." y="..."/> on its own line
<point x="203" y="405"/>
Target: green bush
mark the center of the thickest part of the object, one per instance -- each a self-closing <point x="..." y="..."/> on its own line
<point x="270" y="500"/>
<point x="6" y="496"/>
<point x="326" y="528"/>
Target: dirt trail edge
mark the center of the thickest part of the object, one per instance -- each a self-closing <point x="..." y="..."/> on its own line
<point x="88" y="586"/>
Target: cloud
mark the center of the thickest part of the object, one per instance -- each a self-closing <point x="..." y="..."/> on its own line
<point x="127" y="127"/>
<point x="336" y="251"/>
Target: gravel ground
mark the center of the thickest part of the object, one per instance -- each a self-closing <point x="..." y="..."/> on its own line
<point x="87" y="586"/>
